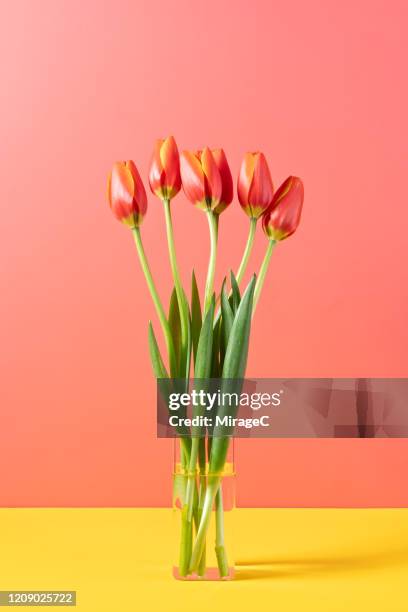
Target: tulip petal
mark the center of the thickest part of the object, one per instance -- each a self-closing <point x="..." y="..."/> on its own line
<point x="164" y="174"/>
<point x="139" y="193"/>
<point x="226" y="179"/>
<point x="261" y="190"/>
<point x="283" y="190"/>
<point x="122" y="186"/>
<point x="127" y="195"/>
<point x="121" y="192"/>
<point x="192" y="177"/>
<point x="213" y="178"/>
<point x="246" y="174"/>
<point x="170" y="161"/>
<point x="156" y="174"/>
<point x="283" y="216"/>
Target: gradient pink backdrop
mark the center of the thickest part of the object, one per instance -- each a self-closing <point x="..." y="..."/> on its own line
<point x="319" y="86"/>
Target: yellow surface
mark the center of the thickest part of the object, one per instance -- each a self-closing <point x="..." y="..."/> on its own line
<point x="119" y="560"/>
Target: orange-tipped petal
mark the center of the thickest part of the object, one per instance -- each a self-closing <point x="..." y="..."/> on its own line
<point x="127" y="195"/>
<point x="246" y="174"/>
<point x="255" y="187"/>
<point x="164" y="175"/>
<point x="261" y="190"/>
<point x="226" y="180"/>
<point x="283" y="216"/>
<point x="156" y="173"/>
<point x="139" y="193"/>
<point x="193" y="179"/>
<point x="122" y="186"/>
<point x="213" y="184"/>
<point x="170" y="160"/>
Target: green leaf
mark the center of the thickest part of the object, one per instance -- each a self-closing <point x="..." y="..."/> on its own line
<point x="196" y="318"/>
<point x="203" y="364"/>
<point x="175" y="328"/>
<point x="202" y="367"/>
<point x="159" y="368"/>
<point x="227" y="315"/>
<point x="233" y="371"/>
<point x="236" y="296"/>
<point x="216" y="365"/>
<point x="165" y="385"/>
<point x="227" y="318"/>
<point x="179" y="309"/>
<point x="185" y="357"/>
<point x="237" y="349"/>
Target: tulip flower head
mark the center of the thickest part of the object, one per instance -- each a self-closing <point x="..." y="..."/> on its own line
<point x="255" y="187"/>
<point x="126" y="194"/>
<point x="201" y="179"/>
<point x="283" y="216"/>
<point x="226" y="180"/>
<point x="164" y="175"/>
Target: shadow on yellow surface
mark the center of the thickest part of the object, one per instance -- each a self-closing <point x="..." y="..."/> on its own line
<point x="255" y="569"/>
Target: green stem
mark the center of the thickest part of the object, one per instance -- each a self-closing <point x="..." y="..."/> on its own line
<point x="262" y="273"/>
<point x="203" y="486"/>
<point x="202" y="461"/>
<point x="183" y="307"/>
<point x="212" y="488"/>
<point x="190" y="515"/>
<point x="185" y="447"/>
<point x="209" y="286"/>
<point x="220" y="549"/>
<point x="155" y="296"/>
<point x="185" y="542"/>
<point x="219" y="450"/>
<point x="191" y="477"/>
<point x="244" y="261"/>
<point x="248" y="249"/>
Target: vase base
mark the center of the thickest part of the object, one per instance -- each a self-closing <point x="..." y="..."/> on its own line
<point x="211" y="573"/>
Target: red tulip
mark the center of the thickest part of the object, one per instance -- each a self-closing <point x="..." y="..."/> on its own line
<point x="226" y="179"/>
<point x="201" y="179"/>
<point x="164" y="176"/>
<point x="255" y="187"/>
<point x="126" y="194"/>
<point x="283" y="216"/>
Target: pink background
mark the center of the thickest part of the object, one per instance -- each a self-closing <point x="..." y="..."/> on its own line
<point x="320" y="87"/>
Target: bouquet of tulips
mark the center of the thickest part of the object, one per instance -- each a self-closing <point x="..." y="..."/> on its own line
<point x="205" y="338"/>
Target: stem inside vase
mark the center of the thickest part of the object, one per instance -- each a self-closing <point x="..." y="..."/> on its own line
<point x="204" y="539"/>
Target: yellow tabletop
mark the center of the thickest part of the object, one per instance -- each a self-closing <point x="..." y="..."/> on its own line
<point x="296" y="559"/>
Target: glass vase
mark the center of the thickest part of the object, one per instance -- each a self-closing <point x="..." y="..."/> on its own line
<point x="203" y="504"/>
